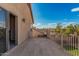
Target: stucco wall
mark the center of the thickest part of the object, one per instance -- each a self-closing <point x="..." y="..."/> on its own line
<point x="23" y="12"/>
<point x="36" y="33"/>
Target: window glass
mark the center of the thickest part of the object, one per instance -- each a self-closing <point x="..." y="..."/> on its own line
<point x="2" y="31"/>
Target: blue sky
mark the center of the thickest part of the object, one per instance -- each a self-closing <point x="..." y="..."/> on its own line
<point x="48" y="15"/>
<point x="2" y="18"/>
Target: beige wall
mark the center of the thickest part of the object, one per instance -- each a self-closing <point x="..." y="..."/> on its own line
<point x="36" y="33"/>
<point x="22" y="11"/>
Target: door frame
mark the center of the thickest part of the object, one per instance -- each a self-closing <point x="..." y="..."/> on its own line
<point x="8" y="27"/>
<point x="15" y="22"/>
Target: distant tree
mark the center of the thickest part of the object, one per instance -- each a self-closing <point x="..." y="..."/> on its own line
<point x="58" y="28"/>
<point x="69" y="29"/>
<point x="76" y="27"/>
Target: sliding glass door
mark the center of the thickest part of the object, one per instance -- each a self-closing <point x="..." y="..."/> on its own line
<point x="2" y="31"/>
<point x="7" y="31"/>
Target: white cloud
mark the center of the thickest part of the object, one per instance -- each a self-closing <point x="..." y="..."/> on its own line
<point x="49" y="25"/>
<point x="68" y="23"/>
<point x="36" y="25"/>
<point x="75" y="9"/>
<point x="71" y="23"/>
<point x="53" y="25"/>
<point x="2" y="24"/>
<point x="64" y="24"/>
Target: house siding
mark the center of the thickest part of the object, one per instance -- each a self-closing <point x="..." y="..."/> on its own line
<point x="22" y="11"/>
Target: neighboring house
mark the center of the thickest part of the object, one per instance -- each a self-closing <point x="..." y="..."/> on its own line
<point x="36" y="33"/>
<point x="39" y="32"/>
<point x="15" y="24"/>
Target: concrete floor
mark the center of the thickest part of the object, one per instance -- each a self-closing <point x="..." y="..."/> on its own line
<point x="37" y="47"/>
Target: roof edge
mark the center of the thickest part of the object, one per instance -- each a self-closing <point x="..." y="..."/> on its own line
<point x="29" y="5"/>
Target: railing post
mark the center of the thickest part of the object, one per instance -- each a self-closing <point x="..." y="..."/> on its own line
<point x="61" y="40"/>
<point x="78" y="42"/>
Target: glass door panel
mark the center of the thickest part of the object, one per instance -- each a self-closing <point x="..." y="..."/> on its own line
<point x="2" y="31"/>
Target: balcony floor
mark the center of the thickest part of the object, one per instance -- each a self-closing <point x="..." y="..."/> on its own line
<point x="37" y="47"/>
